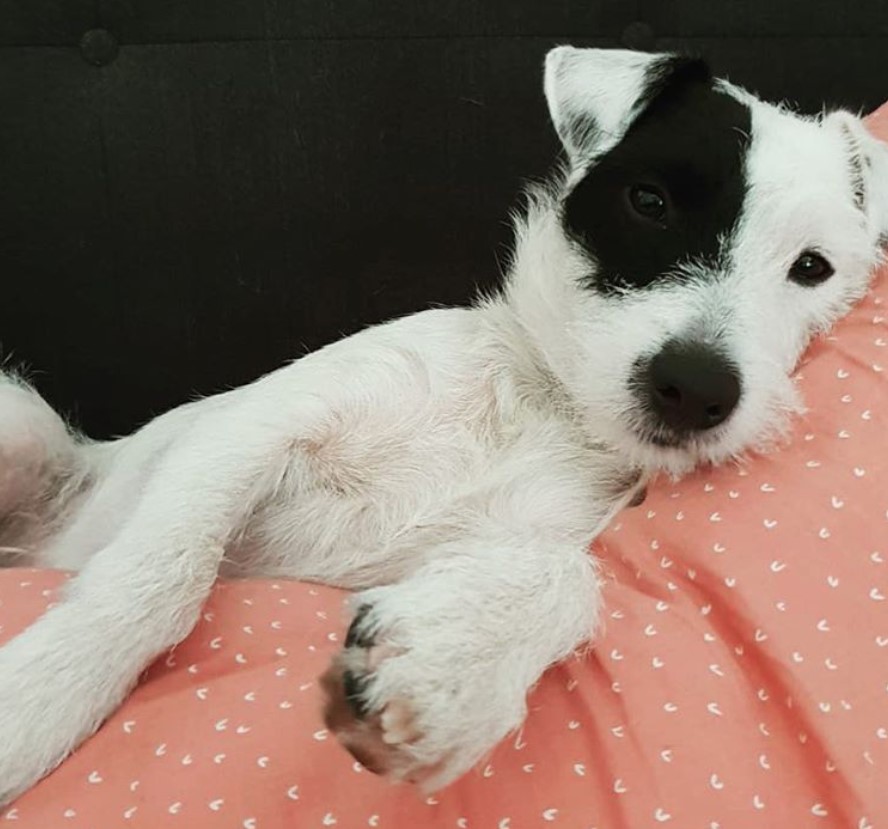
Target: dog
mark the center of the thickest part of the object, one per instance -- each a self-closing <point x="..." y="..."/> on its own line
<point x="452" y="467"/>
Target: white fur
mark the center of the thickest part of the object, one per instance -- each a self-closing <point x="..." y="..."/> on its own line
<point x="454" y="465"/>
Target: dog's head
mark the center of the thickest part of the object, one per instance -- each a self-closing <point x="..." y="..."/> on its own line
<point x="696" y="241"/>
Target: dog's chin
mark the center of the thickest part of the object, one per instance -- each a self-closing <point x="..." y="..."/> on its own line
<point x="658" y="450"/>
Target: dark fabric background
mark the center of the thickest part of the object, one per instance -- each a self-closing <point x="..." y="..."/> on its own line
<point x="238" y="181"/>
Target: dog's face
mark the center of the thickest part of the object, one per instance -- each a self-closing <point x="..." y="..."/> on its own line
<point x="698" y="240"/>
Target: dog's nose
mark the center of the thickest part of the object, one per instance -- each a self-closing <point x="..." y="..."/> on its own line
<point x="692" y="387"/>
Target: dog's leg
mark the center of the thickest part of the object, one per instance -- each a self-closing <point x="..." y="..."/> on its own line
<point x="436" y="669"/>
<point x="41" y="466"/>
<point x="139" y="595"/>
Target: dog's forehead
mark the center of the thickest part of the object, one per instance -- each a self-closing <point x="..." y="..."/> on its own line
<point x="804" y="185"/>
<point x="788" y="151"/>
<point x="691" y="141"/>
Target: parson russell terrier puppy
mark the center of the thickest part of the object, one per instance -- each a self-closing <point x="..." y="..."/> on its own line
<point x="453" y="466"/>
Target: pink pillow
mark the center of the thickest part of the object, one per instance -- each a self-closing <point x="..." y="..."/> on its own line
<point x="742" y="680"/>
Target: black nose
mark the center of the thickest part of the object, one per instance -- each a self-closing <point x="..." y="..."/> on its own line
<point x="692" y="387"/>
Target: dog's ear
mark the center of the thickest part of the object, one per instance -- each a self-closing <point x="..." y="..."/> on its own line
<point x="867" y="169"/>
<point x="595" y="94"/>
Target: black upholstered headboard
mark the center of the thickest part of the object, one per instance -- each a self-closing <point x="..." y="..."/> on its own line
<point x="192" y="192"/>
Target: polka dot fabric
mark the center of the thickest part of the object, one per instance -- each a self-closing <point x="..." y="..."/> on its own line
<point x="741" y="682"/>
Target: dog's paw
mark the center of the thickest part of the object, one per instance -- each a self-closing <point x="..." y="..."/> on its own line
<point x="49" y="701"/>
<point x="406" y="709"/>
<point x="378" y="733"/>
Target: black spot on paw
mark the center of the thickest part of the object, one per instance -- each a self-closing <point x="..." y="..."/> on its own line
<point x="360" y="632"/>
<point x="354" y="687"/>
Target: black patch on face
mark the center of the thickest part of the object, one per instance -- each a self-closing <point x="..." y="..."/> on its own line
<point x="688" y="144"/>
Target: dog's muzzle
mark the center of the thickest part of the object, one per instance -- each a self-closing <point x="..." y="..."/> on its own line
<point x="688" y="388"/>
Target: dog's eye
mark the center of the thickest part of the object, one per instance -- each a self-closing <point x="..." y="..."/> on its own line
<point x="810" y="269"/>
<point x="648" y="201"/>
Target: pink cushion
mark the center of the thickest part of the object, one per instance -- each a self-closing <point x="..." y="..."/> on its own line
<point x="742" y="680"/>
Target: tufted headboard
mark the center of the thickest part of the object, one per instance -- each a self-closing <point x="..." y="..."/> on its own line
<point x="192" y="193"/>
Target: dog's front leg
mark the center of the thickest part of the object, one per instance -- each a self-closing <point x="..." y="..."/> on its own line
<point x="436" y="669"/>
<point x="63" y="676"/>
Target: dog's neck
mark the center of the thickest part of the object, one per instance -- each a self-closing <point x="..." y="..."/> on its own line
<point x="527" y="316"/>
<point x="528" y="331"/>
<point x="527" y="379"/>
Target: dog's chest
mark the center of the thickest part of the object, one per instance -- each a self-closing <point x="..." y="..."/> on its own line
<point x="387" y="485"/>
<point x="365" y="478"/>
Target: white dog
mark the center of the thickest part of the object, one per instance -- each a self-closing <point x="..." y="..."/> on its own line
<point x="454" y="465"/>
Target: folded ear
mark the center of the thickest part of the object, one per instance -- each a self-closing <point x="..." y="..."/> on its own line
<point x="877" y="184"/>
<point x="868" y="170"/>
<point x="595" y="94"/>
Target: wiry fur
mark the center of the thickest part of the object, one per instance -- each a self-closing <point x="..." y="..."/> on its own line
<point x="453" y="465"/>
